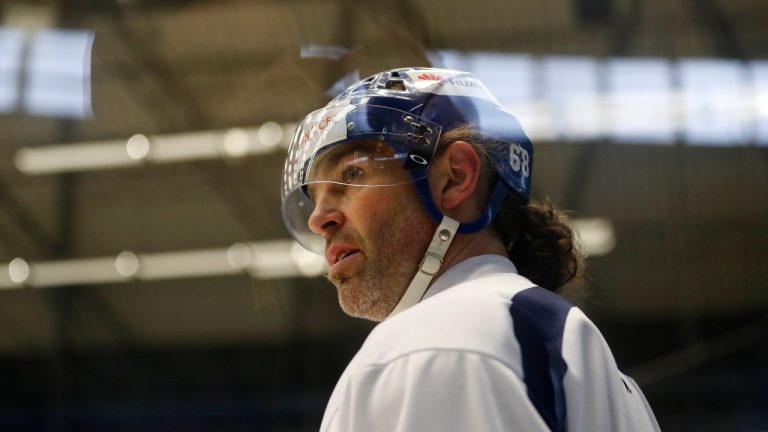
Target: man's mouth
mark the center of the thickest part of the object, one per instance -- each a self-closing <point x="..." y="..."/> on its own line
<point x="346" y="254"/>
<point x="337" y="253"/>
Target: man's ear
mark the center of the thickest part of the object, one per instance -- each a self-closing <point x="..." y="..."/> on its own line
<point x="454" y="177"/>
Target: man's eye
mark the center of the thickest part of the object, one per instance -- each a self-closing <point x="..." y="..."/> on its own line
<point x="351" y="174"/>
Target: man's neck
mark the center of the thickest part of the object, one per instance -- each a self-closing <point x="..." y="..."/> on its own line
<point x="471" y="245"/>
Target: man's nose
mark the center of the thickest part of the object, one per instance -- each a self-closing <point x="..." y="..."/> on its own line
<point x="326" y="217"/>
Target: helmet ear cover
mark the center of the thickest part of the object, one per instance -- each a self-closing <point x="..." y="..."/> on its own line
<point x="497" y="197"/>
<point x="507" y="164"/>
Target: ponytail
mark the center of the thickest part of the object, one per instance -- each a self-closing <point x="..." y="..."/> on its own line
<point x="541" y="243"/>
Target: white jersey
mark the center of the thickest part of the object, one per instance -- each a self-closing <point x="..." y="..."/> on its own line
<point x="486" y="350"/>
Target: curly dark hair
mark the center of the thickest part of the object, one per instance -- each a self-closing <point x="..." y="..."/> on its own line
<point x="539" y="238"/>
<point x="541" y="242"/>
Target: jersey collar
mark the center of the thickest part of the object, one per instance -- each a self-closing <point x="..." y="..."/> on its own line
<point x="476" y="267"/>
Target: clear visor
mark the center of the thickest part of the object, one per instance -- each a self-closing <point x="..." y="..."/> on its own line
<point x="351" y="146"/>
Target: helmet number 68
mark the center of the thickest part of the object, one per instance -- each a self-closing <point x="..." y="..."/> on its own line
<point x="519" y="159"/>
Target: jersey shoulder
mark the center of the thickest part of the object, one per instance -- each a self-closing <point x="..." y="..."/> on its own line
<point x="470" y="317"/>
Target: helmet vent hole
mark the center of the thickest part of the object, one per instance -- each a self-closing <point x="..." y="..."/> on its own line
<point x="395" y="84"/>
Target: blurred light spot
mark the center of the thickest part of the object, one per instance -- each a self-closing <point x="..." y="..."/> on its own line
<point x="640" y="104"/>
<point x="762" y="104"/>
<point x="270" y="134"/>
<point x="11" y="46"/>
<point x="187" y="146"/>
<point x="239" y="255"/>
<point x="236" y="142"/>
<point x="289" y="129"/>
<point x="22" y="160"/>
<point x="713" y="103"/>
<point x="333" y="52"/>
<point x="571" y="89"/>
<point x="73" y="157"/>
<point x="596" y="234"/>
<point x="127" y="264"/>
<point x="18" y="270"/>
<point x="137" y="146"/>
<point x="59" y="74"/>
<point x="309" y="264"/>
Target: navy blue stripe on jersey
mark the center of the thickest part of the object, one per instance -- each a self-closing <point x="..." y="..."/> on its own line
<point x="539" y="321"/>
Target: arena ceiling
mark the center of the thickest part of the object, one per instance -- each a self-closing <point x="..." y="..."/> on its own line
<point x="689" y="220"/>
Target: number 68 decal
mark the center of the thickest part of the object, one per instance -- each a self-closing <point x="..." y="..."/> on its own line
<point x="520" y="159"/>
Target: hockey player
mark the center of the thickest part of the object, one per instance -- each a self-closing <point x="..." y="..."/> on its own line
<point x="415" y="185"/>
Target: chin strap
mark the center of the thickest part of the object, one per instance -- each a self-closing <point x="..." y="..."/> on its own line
<point x="430" y="265"/>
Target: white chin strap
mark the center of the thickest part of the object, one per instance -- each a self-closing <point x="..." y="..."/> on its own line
<point x="430" y="265"/>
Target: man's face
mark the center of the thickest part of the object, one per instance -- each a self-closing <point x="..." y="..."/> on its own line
<point x="374" y="225"/>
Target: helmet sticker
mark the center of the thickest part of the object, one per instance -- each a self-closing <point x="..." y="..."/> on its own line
<point x="326" y="126"/>
<point x="450" y="83"/>
<point x="520" y="159"/>
<point x="417" y="159"/>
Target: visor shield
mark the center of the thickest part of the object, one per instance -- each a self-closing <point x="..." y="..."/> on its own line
<point x="351" y="146"/>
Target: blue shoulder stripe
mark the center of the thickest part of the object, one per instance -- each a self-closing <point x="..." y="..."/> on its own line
<point x="539" y="321"/>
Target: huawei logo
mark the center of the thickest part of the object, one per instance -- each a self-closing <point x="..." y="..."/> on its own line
<point x="430" y="77"/>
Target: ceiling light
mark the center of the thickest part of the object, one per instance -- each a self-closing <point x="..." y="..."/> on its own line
<point x="270" y="134"/>
<point x="137" y="146"/>
<point x="127" y="264"/>
<point x="236" y="142"/>
<point x="596" y="234"/>
<point x="18" y="270"/>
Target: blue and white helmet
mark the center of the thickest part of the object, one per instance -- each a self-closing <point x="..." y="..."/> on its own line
<point x="393" y="121"/>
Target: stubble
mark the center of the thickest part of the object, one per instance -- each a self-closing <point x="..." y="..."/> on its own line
<point x="392" y="254"/>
